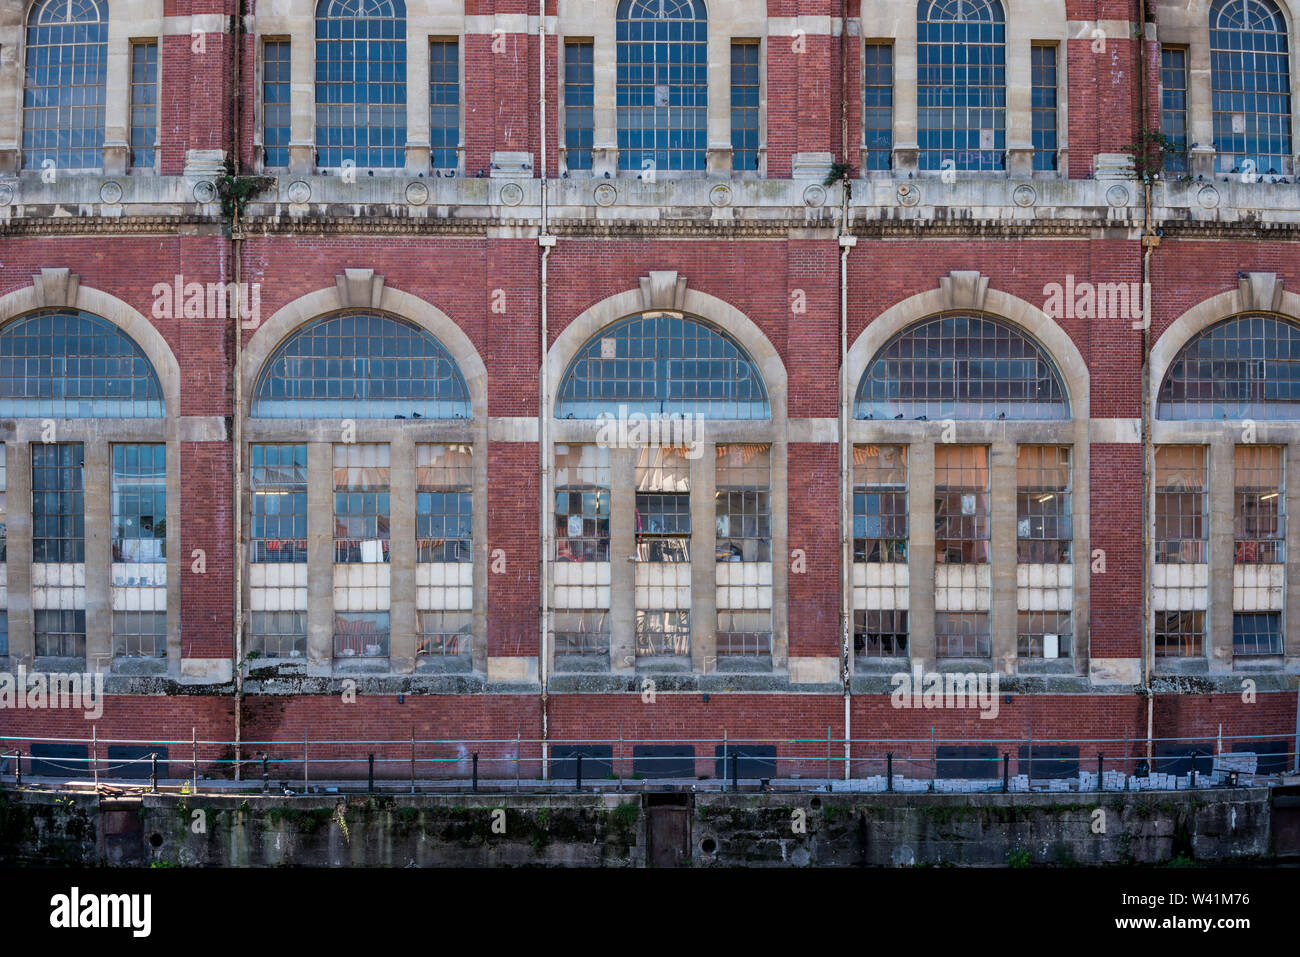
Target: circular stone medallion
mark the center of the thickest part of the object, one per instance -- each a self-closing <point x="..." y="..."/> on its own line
<point x="111" y="193"/>
<point x="605" y="194"/>
<point x="1117" y="195"/>
<point x="1024" y="195"/>
<point x="512" y="194"/>
<point x="299" y="192"/>
<point x="417" y="194"/>
<point x="814" y="196"/>
<point x="720" y="195"/>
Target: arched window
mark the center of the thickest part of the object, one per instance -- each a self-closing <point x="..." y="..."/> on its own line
<point x="1252" y="87"/>
<point x="72" y="365"/>
<point x="363" y="366"/>
<point x="662" y="363"/>
<point x="1247" y="367"/>
<point x="961" y="84"/>
<point x="63" y="91"/>
<point x="961" y="367"/>
<point x="663" y="87"/>
<point x="361" y="83"/>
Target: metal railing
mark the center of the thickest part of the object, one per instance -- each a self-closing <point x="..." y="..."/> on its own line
<point x="926" y="764"/>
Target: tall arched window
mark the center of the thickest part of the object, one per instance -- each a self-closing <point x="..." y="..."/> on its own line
<point x="961" y="367"/>
<point x="63" y="90"/>
<point x="97" y="383"/>
<point x="660" y="363"/>
<point x="668" y="503"/>
<point x="1252" y="87"/>
<point x="663" y="84"/>
<point x="998" y="425"/>
<point x="361" y="366"/>
<point x="1247" y="367"/>
<point x="961" y="84"/>
<point x="361" y="83"/>
<point x="396" y="497"/>
<point x="72" y="365"/>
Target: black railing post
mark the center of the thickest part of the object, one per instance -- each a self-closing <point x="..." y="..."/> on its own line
<point x="1100" y="772"/>
<point x="1006" y="771"/>
<point x="475" y="771"/>
<point x="735" y="772"/>
<point x="889" y="770"/>
<point x="20" y="767"/>
<point x="370" y="784"/>
<point x="577" y="785"/>
<point x="153" y="771"/>
<point x="266" y="774"/>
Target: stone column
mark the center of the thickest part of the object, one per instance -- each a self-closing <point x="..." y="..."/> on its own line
<point x="719" y="115"/>
<point x="98" y="481"/>
<point x="704" y="562"/>
<point x="402" y="617"/>
<point x="302" y="103"/>
<point x="417" y="108"/>
<point x="18" y="546"/>
<point x="1218" y="619"/>
<point x="604" y="51"/>
<point x="622" y="573"/>
<point x="320" y="558"/>
<point x="920" y="553"/>
<point x="905" y="111"/>
<point x="1200" y="115"/>
<point x="1002" y="555"/>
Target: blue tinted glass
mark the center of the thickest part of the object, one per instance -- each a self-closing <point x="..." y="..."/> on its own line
<point x="961" y="367"/>
<point x="361" y="366"/>
<point x="68" y="365"/>
<point x="662" y="364"/>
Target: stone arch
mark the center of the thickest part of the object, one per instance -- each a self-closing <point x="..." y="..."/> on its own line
<point x="1200" y="317"/>
<point x="289" y="318"/>
<point x="1028" y="318"/>
<point x="691" y="302"/>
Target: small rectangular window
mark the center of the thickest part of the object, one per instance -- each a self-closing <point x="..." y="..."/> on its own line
<point x="139" y="504"/>
<point x="1173" y="106"/>
<point x="60" y="633"/>
<point x="1182" y="522"/>
<point x="878" y="104"/>
<point x="278" y="487"/>
<point x="58" y="503"/>
<point x="743" y="503"/>
<point x="579" y="103"/>
<point x="1179" y="634"/>
<point x="1043" y="634"/>
<point x="445" y="634"/>
<point x="1259" y="519"/>
<point x="275" y="104"/>
<point x="144" y="104"/>
<point x="663" y="505"/>
<point x="1043" y="105"/>
<point x="744" y="105"/>
<point x="880" y="633"/>
<point x="961" y="504"/>
<point x="581" y="503"/>
<point x="581" y="633"/>
<point x="444" y="503"/>
<point x="1257" y="633"/>
<point x="444" y="104"/>
<point x="1044" y="524"/>
<point x="361" y="502"/>
<point x="362" y="634"/>
<point x="880" y="503"/>
<point x="140" y="634"/>
<point x="278" y="634"/>
<point x="962" y="634"/>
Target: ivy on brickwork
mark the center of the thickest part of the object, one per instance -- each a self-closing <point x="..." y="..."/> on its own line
<point x="235" y="191"/>
<point x="1148" y="154"/>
